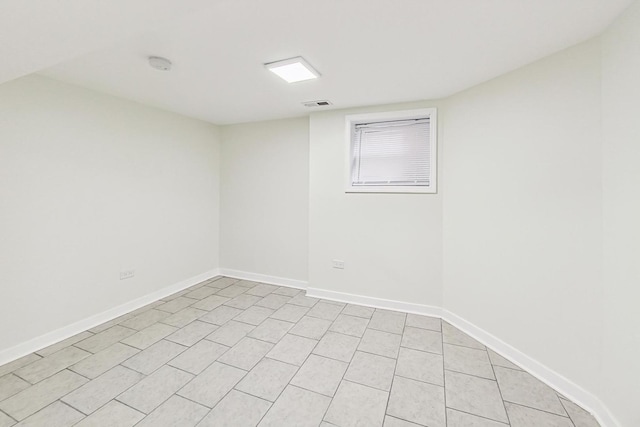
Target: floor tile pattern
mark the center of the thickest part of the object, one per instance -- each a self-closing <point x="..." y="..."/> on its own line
<point x="230" y="352"/>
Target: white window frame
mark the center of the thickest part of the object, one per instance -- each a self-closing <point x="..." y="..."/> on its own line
<point x="354" y="119"/>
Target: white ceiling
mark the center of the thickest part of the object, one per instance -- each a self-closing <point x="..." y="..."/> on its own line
<point x="36" y="34"/>
<point x="368" y="51"/>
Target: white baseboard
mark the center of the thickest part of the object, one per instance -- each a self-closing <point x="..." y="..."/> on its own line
<point x="550" y="377"/>
<point x="65" y="332"/>
<point x="263" y="278"/>
<point x="603" y="414"/>
<point x="553" y="379"/>
<point x="387" y="304"/>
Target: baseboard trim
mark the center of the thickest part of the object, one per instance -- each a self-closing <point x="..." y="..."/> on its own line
<point x="263" y="278"/>
<point x="65" y="332"/>
<point x="603" y="415"/>
<point x="542" y="372"/>
<point x="387" y="304"/>
<point x="550" y="377"/>
<point x="555" y="380"/>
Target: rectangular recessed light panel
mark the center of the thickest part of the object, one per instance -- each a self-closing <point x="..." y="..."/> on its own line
<point x="293" y="70"/>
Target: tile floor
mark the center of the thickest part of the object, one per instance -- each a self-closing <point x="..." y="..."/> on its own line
<point x="229" y="352"/>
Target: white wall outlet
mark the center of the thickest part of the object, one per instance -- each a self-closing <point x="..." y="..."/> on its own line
<point x="336" y="263"/>
<point x="127" y="274"/>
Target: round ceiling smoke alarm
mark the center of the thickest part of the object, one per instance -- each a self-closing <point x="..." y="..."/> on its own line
<point x="160" y="63"/>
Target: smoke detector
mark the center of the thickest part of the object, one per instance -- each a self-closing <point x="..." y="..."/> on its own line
<point x="159" y="63"/>
<point x="321" y="103"/>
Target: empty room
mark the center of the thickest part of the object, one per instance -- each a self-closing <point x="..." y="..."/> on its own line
<point x="358" y="213"/>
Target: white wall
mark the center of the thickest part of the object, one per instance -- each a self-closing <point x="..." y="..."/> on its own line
<point x="621" y="120"/>
<point x="89" y="185"/>
<point x="265" y="198"/>
<point x="391" y="243"/>
<point x="522" y="210"/>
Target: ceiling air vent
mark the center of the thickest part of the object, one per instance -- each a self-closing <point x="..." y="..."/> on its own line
<point x="322" y="103"/>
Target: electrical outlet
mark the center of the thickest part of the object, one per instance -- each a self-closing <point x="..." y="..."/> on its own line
<point x="127" y="274"/>
<point x="336" y="263"/>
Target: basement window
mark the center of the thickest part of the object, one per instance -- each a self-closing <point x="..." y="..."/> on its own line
<point x="392" y="152"/>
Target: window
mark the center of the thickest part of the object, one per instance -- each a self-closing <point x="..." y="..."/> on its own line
<point x="392" y="152"/>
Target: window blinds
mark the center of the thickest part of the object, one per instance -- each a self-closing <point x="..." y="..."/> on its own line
<point x="391" y="153"/>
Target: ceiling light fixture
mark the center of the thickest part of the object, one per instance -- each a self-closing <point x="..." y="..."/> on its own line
<point x="159" y="63"/>
<point x="293" y="70"/>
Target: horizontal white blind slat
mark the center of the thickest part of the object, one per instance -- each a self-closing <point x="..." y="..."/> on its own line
<point x="391" y="123"/>
<point x="391" y="153"/>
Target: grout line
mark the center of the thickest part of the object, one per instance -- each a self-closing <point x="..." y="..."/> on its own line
<point x="29" y="382"/>
<point x="504" y="406"/>
<point x="59" y="399"/>
<point x="236" y="367"/>
<point x="197" y="403"/>
<point x="282" y="361"/>
<point x="182" y="370"/>
<point x="317" y="355"/>
<point x="471" y="375"/>
<point x="346" y="380"/>
<point x="143" y="379"/>
<point x="424" y="351"/>
<point x="312" y="391"/>
<point x="38" y="352"/>
<point x="465" y="346"/>
<point x="9" y="416"/>
<point x="248" y="394"/>
<point x="568" y="414"/>
<point x="479" y="416"/>
<point x="342" y="378"/>
<point x="128" y="406"/>
<point x="22" y="366"/>
<point x="444" y="379"/>
<point x="66" y="404"/>
<point x="376" y="354"/>
<point x="395" y="368"/>
<point x="45" y="407"/>
<point x="538" y="409"/>
<point x="207" y="367"/>
<point x="513" y="369"/>
<point x="382" y="330"/>
<point x="84" y="376"/>
<point x="289" y="382"/>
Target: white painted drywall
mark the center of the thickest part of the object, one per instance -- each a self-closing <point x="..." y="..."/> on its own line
<point x="522" y="210"/>
<point x="621" y="154"/>
<point x="391" y="244"/>
<point x="265" y="198"/>
<point x="90" y="185"/>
